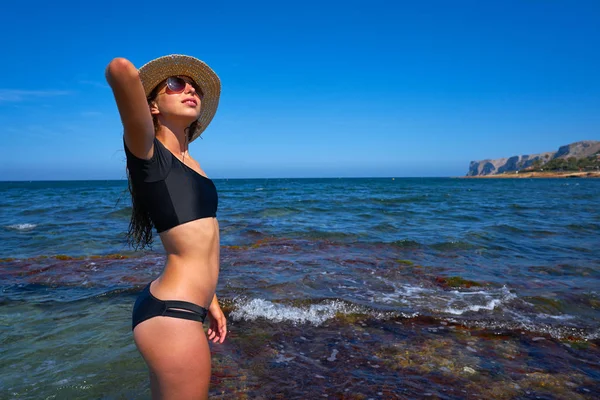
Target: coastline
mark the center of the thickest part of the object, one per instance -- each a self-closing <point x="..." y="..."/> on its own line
<point x="569" y="174"/>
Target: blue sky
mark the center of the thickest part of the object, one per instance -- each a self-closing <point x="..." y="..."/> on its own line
<point x="310" y="89"/>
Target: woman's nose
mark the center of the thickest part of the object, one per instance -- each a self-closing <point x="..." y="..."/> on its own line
<point x="190" y="88"/>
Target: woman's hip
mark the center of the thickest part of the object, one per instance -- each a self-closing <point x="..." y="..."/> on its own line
<point x="148" y="306"/>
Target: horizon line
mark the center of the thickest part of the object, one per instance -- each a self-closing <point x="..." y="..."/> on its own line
<point x="307" y="177"/>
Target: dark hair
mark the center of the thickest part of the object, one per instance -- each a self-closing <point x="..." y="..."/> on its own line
<point x="139" y="234"/>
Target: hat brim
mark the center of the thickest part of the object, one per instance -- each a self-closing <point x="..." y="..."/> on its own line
<point x="157" y="70"/>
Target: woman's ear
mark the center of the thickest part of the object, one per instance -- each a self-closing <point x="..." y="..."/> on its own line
<point x="153" y="108"/>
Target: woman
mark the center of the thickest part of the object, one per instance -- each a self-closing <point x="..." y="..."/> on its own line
<point x="164" y="106"/>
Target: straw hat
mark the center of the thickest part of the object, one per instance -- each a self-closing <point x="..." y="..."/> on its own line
<point x="157" y="70"/>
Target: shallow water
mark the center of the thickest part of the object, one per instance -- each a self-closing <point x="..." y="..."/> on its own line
<point x="340" y="288"/>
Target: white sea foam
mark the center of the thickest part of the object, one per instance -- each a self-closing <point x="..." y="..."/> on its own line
<point x="478" y="300"/>
<point x="452" y="303"/>
<point x="526" y="324"/>
<point x="316" y="314"/>
<point x="563" y="317"/>
<point x="455" y="302"/>
<point x="333" y="355"/>
<point x="593" y="335"/>
<point x="475" y="307"/>
<point x="281" y="358"/>
<point x="22" y="227"/>
<point x="405" y="294"/>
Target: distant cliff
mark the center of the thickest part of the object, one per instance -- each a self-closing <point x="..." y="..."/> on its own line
<point x="578" y="150"/>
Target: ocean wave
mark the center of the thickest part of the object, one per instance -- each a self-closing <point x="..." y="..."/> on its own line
<point x="462" y="303"/>
<point x="563" y="317"/>
<point x="36" y="211"/>
<point x="261" y="310"/>
<point x="560" y="332"/>
<point x="385" y="227"/>
<point x="406" y="244"/>
<point x="506" y="228"/>
<point x="584" y="227"/>
<point x="489" y="308"/>
<point x="406" y="301"/>
<point x="403" y="294"/>
<point x="439" y="301"/>
<point x="316" y="314"/>
<point x="22" y="227"/>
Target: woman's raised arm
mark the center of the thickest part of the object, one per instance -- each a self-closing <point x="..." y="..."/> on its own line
<point x="123" y="78"/>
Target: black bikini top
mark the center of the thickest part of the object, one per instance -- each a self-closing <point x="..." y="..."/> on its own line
<point x="172" y="192"/>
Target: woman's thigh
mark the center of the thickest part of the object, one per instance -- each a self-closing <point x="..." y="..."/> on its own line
<point x="177" y="353"/>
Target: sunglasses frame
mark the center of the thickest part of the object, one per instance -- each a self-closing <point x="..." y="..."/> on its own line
<point x="171" y="85"/>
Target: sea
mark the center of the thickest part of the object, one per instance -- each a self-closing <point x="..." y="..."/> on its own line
<point x="382" y="288"/>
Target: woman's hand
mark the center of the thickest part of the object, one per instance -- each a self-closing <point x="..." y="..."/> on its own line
<point x="218" y="324"/>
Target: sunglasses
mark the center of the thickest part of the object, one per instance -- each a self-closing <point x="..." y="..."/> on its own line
<point x="177" y="84"/>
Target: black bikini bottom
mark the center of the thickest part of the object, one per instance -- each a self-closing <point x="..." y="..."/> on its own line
<point x="147" y="306"/>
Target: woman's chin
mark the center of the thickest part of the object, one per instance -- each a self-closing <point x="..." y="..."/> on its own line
<point x="192" y="114"/>
<point x="185" y="116"/>
<point x="188" y="117"/>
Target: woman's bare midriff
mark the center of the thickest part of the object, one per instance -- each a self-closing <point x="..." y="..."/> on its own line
<point x="192" y="268"/>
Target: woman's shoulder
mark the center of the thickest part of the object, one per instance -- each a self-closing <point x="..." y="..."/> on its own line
<point x="153" y="169"/>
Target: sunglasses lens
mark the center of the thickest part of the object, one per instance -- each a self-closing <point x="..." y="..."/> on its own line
<point x="176" y="84"/>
